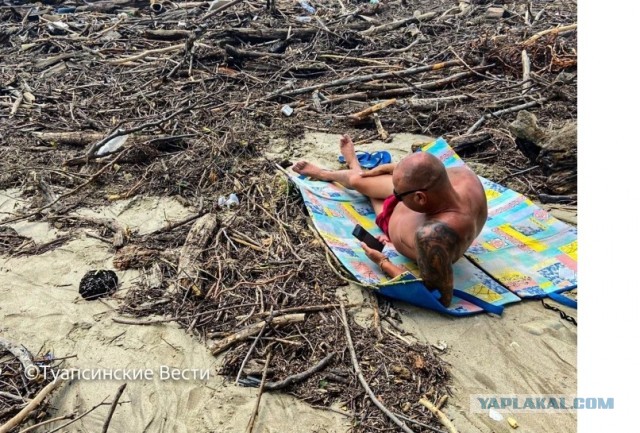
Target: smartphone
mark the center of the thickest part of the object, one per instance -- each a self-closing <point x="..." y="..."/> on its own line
<point x="366" y="237"/>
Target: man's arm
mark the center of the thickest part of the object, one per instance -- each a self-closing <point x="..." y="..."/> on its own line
<point x="380" y="170"/>
<point x="437" y="243"/>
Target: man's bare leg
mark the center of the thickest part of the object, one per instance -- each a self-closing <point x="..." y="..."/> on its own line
<point x="378" y="187"/>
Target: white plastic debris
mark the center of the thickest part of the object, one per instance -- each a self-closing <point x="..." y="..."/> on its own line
<point x="306" y="6"/>
<point x="112" y="145"/>
<point x="232" y="200"/>
<point x="495" y="415"/>
<point x="441" y="345"/>
<point x="287" y="110"/>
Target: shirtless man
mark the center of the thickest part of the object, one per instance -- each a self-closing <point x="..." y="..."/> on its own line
<point x="430" y="213"/>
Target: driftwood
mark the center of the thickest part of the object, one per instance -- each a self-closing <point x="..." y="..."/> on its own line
<point x="136" y="257"/>
<point x="465" y="141"/>
<point x="254" y="414"/>
<point x="251" y="330"/>
<point x="555" y="151"/>
<point x="189" y="264"/>
<point x="361" y="115"/>
<point x="167" y="35"/>
<point x="441" y="416"/>
<point x="400" y="23"/>
<point x="112" y="409"/>
<point x="363" y="381"/>
<point x="365" y="78"/>
<point x="272" y="386"/>
<point x="555" y="30"/>
<point x="33" y="404"/>
<point x="239" y="53"/>
<point x="428" y="104"/>
<point x="21" y="354"/>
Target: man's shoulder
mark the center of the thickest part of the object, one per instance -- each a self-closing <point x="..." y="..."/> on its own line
<point x="439" y="229"/>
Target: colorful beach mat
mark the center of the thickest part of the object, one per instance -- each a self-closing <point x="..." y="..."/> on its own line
<point x="521" y="251"/>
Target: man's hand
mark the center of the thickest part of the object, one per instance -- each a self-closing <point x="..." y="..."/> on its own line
<point x="383" y="239"/>
<point x="380" y="170"/>
<point x="374" y="255"/>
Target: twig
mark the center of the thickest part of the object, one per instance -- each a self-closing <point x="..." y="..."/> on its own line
<point x="78" y="418"/>
<point x="526" y="72"/>
<point x="250" y="351"/>
<point x="517" y="173"/>
<point x="48" y="421"/>
<point x="400" y="23"/>
<point x="441" y="416"/>
<point x="554" y="30"/>
<point x="295" y="378"/>
<point x="363" y="381"/>
<point x="252" y="420"/>
<point x="114" y="404"/>
<point x="488" y="116"/>
<point x="223" y="7"/>
<point x="252" y="330"/>
<point x="33" y="404"/>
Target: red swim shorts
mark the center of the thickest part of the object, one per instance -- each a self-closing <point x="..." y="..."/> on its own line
<point x="382" y="220"/>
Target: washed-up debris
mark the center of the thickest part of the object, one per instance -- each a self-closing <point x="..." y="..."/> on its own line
<point x="96" y="284"/>
<point x="202" y="90"/>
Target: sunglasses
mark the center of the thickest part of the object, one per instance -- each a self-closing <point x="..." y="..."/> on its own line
<point x="400" y="196"/>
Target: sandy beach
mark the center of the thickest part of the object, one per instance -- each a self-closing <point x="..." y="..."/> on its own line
<point x="529" y="350"/>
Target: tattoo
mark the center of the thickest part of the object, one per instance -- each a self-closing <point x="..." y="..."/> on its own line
<point x="437" y="243"/>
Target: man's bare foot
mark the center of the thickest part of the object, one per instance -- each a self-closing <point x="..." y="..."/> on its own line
<point x="307" y="169"/>
<point x="348" y="150"/>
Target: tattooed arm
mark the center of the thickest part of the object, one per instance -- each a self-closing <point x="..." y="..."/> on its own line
<point x="437" y="245"/>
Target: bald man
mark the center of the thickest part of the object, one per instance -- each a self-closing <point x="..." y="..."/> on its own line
<point x="429" y="213"/>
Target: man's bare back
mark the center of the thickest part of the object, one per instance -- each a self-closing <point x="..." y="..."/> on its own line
<point x="431" y="214"/>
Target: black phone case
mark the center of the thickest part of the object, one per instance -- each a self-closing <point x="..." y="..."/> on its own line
<point x="366" y="237"/>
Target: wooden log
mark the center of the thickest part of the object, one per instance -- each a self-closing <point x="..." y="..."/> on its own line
<point x="430" y="85"/>
<point x="104" y="6"/>
<point x="494" y="13"/>
<point x="462" y="142"/>
<point x="559" y="151"/>
<point x="365" y="78"/>
<point x="361" y="115"/>
<point x="400" y="23"/>
<point x="428" y="104"/>
<point x="74" y="138"/>
<point x="167" y="35"/>
<point x="239" y="54"/>
<point x="190" y="262"/>
<point x="253" y="329"/>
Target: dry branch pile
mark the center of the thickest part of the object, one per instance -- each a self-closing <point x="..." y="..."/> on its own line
<point x="25" y="384"/>
<point x="195" y="92"/>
